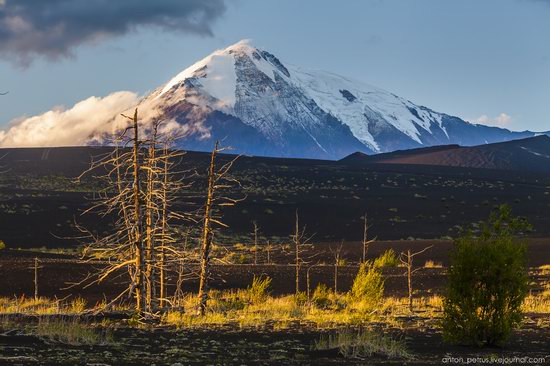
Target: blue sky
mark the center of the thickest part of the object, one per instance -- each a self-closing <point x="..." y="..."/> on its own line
<point x="480" y="60"/>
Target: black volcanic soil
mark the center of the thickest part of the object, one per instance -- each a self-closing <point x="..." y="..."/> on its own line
<point x="254" y="346"/>
<point x="57" y="272"/>
<point x="39" y="200"/>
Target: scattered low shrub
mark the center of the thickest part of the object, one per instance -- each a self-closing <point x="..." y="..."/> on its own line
<point x="321" y="297"/>
<point x="387" y="259"/>
<point x="300" y="298"/>
<point x="259" y="289"/>
<point x="367" y="289"/>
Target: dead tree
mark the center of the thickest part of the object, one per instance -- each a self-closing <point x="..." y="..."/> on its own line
<point x="207" y="232"/>
<point x="297" y="251"/>
<point x="164" y="185"/>
<point x="36" y="267"/>
<point x="406" y="258"/>
<point x="150" y="206"/>
<point x="300" y="241"/>
<point x="255" y="242"/>
<point x="268" y="249"/>
<point x="366" y="241"/>
<point x="217" y="181"/>
<point x="137" y="185"/>
<point x="138" y="223"/>
<point x="164" y="230"/>
<point x="178" y="293"/>
<point x="336" y="253"/>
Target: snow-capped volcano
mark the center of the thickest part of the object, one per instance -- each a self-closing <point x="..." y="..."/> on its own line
<point x="248" y="98"/>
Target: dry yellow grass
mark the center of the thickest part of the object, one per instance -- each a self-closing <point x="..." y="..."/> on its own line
<point x="228" y="308"/>
<point x="545" y="269"/>
<point x="70" y="332"/>
<point x="540" y="303"/>
<point x="40" y="306"/>
<point x="431" y="264"/>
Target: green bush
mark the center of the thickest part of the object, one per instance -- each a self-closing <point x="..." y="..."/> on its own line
<point x="368" y="287"/>
<point x="321" y="297"/>
<point x="2" y="245"/>
<point x="487" y="282"/>
<point x="259" y="289"/>
<point x="300" y="298"/>
<point x="388" y="259"/>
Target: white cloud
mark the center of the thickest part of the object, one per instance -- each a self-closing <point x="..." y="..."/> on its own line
<point x="87" y="120"/>
<point x="96" y="120"/>
<point x="502" y="120"/>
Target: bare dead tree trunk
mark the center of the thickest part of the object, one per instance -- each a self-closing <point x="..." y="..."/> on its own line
<point x="268" y="252"/>
<point x="365" y="245"/>
<point x="336" y="276"/>
<point x="366" y="241"/>
<point x="164" y="214"/>
<point x="409" y="279"/>
<point x="36" y="279"/>
<point x="255" y="243"/>
<point x="207" y="234"/>
<point x="178" y="293"/>
<point x="139" y="283"/>
<point x="406" y="258"/>
<point x="297" y="238"/>
<point x="149" y="253"/>
<point x="308" y="291"/>
<point x="336" y="253"/>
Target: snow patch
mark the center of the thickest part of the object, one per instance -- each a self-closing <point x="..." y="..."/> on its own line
<point x="535" y="153"/>
<point x="219" y="79"/>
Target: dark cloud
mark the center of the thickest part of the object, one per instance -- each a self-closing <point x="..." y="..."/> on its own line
<point x="52" y="28"/>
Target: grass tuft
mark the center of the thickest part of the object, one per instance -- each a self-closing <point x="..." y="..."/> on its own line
<point x="71" y="332"/>
<point x="363" y="343"/>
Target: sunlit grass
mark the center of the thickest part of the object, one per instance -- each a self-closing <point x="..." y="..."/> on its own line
<point x="539" y="303"/>
<point x="229" y="308"/>
<point x="363" y="343"/>
<point x="431" y="264"/>
<point x="40" y="306"/>
<point x="71" y="332"/>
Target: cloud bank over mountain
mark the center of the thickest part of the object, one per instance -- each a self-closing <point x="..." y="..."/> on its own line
<point x="85" y="121"/>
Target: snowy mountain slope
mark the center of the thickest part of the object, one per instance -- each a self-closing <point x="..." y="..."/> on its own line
<point x="249" y="99"/>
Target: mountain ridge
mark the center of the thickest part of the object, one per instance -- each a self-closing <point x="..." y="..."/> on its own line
<point x="529" y="154"/>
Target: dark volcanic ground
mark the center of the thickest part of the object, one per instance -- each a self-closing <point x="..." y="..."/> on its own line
<point x="39" y="200"/>
<point x="58" y="272"/>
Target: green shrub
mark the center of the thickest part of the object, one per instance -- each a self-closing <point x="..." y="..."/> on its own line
<point x="259" y="289"/>
<point x="2" y="245"/>
<point x="321" y="297"/>
<point x="300" y="298"/>
<point x="368" y="287"/>
<point x="388" y="259"/>
<point x="487" y="282"/>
